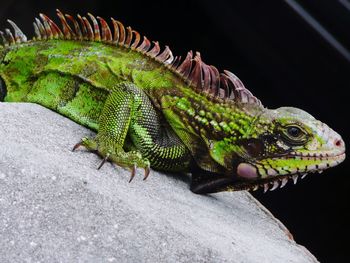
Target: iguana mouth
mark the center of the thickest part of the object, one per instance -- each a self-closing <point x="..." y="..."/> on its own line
<point x="277" y="180"/>
<point x="318" y="155"/>
<point x="327" y="157"/>
<point x="271" y="183"/>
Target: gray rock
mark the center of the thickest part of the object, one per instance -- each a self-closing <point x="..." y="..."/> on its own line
<point x="55" y="206"/>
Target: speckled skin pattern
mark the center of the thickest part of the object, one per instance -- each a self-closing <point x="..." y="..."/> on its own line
<point x="146" y="115"/>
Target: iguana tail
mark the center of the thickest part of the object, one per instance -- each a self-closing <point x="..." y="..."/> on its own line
<point x="3" y="89"/>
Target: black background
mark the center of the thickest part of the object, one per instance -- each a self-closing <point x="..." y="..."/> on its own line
<point x="280" y="58"/>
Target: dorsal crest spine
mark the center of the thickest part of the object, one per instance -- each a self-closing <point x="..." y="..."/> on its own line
<point x="192" y="69"/>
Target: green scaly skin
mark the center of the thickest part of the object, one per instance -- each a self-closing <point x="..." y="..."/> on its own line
<point x="147" y="115"/>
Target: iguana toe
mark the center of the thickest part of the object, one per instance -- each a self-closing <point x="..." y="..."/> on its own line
<point x="108" y="152"/>
<point x="147" y="172"/>
<point x="103" y="161"/>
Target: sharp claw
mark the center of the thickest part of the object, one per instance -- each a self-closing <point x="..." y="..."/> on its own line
<point x="147" y="171"/>
<point x="266" y="187"/>
<point x="77" y="146"/>
<point x="133" y="172"/>
<point x="103" y="162"/>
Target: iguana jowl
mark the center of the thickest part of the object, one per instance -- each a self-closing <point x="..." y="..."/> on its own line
<point x="151" y="109"/>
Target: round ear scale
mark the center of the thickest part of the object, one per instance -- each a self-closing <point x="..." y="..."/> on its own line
<point x="247" y="171"/>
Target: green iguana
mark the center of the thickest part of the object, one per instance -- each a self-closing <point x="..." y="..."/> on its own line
<point x="151" y="109"/>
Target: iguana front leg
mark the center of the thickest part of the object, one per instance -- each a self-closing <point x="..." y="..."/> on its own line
<point x="114" y="124"/>
<point x="128" y="112"/>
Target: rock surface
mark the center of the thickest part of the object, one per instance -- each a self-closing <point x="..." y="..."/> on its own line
<point x="56" y="206"/>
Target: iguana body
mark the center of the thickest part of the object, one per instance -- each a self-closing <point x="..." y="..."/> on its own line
<point x="151" y="109"/>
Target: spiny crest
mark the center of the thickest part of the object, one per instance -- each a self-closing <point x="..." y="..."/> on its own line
<point x="192" y="69"/>
<point x="9" y="39"/>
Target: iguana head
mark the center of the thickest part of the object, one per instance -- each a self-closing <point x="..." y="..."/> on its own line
<point x="286" y="143"/>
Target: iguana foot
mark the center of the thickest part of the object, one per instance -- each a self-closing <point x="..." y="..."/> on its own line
<point x="117" y="155"/>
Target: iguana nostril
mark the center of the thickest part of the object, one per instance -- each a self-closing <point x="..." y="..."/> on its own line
<point x="338" y="142"/>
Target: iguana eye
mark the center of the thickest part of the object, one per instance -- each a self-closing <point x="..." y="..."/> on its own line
<point x="294" y="131"/>
<point x="294" y="135"/>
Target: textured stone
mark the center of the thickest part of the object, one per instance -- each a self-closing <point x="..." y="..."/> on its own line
<point x="56" y="206"/>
